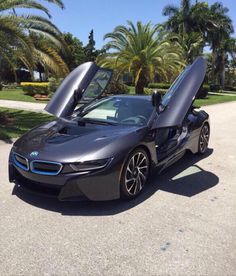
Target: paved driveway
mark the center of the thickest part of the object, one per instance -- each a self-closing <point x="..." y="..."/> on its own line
<point x="36" y="107"/>
<point x="184" y="224"/>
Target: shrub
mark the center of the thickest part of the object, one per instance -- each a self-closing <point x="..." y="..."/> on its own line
<point x="203" y="92"/>
<point x="116" y="86"/>
<point x="159" y="85"/>
<point x="53" y="84"/>
<point x="33" y="88"/>
<point x="215" y="87"/>
<point x="148" y="91"/>
<point x="1" y="86"/>
<point x="229" y="88"/>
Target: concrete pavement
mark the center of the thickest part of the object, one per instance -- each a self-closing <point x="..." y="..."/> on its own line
<point x="184" y="223"/>
<point x="37" y="107"/>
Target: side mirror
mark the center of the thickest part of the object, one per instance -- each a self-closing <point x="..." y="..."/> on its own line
<point x="156" y="99"/>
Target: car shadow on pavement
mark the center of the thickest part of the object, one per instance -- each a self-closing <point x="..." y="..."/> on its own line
<point x="184" y="178"/>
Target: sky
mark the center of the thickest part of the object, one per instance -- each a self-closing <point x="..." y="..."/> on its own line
<point x="80" y="16"/>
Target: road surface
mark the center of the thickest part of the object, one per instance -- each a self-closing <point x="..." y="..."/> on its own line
<point x="184" y="223"/>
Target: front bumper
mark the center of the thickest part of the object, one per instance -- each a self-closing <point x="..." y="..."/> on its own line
<point x="97" y="186"/>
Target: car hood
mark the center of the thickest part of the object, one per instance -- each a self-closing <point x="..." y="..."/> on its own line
<point x="68" y="142"/>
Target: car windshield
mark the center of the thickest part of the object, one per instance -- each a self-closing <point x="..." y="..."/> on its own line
<point x="118" y="110"/>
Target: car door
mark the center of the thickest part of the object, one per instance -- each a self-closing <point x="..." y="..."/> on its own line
<point x="171" y="131"/>
<point x="84" y="84"/>
<point x="179" y="98"/>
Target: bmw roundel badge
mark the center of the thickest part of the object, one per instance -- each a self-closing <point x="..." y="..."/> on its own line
<point x="34" y="154"/>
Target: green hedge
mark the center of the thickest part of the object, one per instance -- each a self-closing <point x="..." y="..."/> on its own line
<point x="53" y="84"/>
<point x="33" y="88"/>
<point x="217" y="88"/>
<point x="203" y="92"/>
<point x="148" y="91"/>
<point x="159" y="85"/>
<point x="230" y="88"/>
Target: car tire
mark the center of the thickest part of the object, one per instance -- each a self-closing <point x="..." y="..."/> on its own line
<point x="135" y="174"/>
<point x="203" y="139"/>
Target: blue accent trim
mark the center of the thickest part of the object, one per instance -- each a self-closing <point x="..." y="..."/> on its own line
<point x="18" y="164"/>
<point x="42" y="172"/>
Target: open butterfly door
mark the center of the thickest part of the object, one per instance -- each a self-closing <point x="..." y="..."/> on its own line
<point x="84" y="84"/>
<point x="179" y="98"/>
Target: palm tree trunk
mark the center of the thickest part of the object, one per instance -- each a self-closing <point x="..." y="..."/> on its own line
<point x="140" y="85"/>
<point x="222" y="72"/>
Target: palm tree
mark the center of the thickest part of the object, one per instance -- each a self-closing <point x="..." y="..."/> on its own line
<point x="47" y="57"/>
<point x="211" y="22"/>
<point x="180" y="20"/>
<point x="15" y="31"/>
<point x="191" y="43"/>
<point x="219" y="37"/>
<point x="227" y="47"/>
<point x="143" y="52"/>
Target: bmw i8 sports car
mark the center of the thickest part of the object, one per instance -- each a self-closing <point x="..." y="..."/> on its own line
<point x="103" y="148"/>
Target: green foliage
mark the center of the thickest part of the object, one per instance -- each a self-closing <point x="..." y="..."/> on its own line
<point x="141" y="50"/>
<point x="16" y="33"/>
<point x="203" y="92"/>
<point x="163" y="87"/>
<point x="192" y="45"/>
<point x="54" y="84"/>
<point x="116" y="86"/>
<point x="149" y="91"/>
<point x="215" y="87"/>
<point x="74" y="54"/>
<point x="159" y="85"/>
<point x="90" y="51"/>
<point x="31" y="89"/>
<point x="230" y="88"/>
<point x="213" y="26"/>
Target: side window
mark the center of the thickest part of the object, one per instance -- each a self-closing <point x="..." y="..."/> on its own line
<point x="97" y="85"/>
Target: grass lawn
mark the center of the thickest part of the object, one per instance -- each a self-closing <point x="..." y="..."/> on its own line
<point x="214" y="99"/>
<point x="19" y="121"/>
<point x="15" y="95"/>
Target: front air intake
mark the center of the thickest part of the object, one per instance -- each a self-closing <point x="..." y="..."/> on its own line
<point x="45" y="167"/>
<point x="21" y="162"/>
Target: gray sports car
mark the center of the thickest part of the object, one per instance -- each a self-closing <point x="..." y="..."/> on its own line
<point x="103" y="148"/>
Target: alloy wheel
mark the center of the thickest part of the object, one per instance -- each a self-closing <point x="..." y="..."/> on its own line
<point x="136" y="174"/>
<point x="204" y="138"/>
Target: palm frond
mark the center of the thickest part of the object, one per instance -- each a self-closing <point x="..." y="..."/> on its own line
<point x="28" y="4"/>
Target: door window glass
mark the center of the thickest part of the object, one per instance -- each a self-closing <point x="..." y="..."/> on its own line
<point x="169" y="94"/>
<point x="97" y="85"/>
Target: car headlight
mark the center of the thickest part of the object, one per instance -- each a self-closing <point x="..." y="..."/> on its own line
<point x="87" y="165"/>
